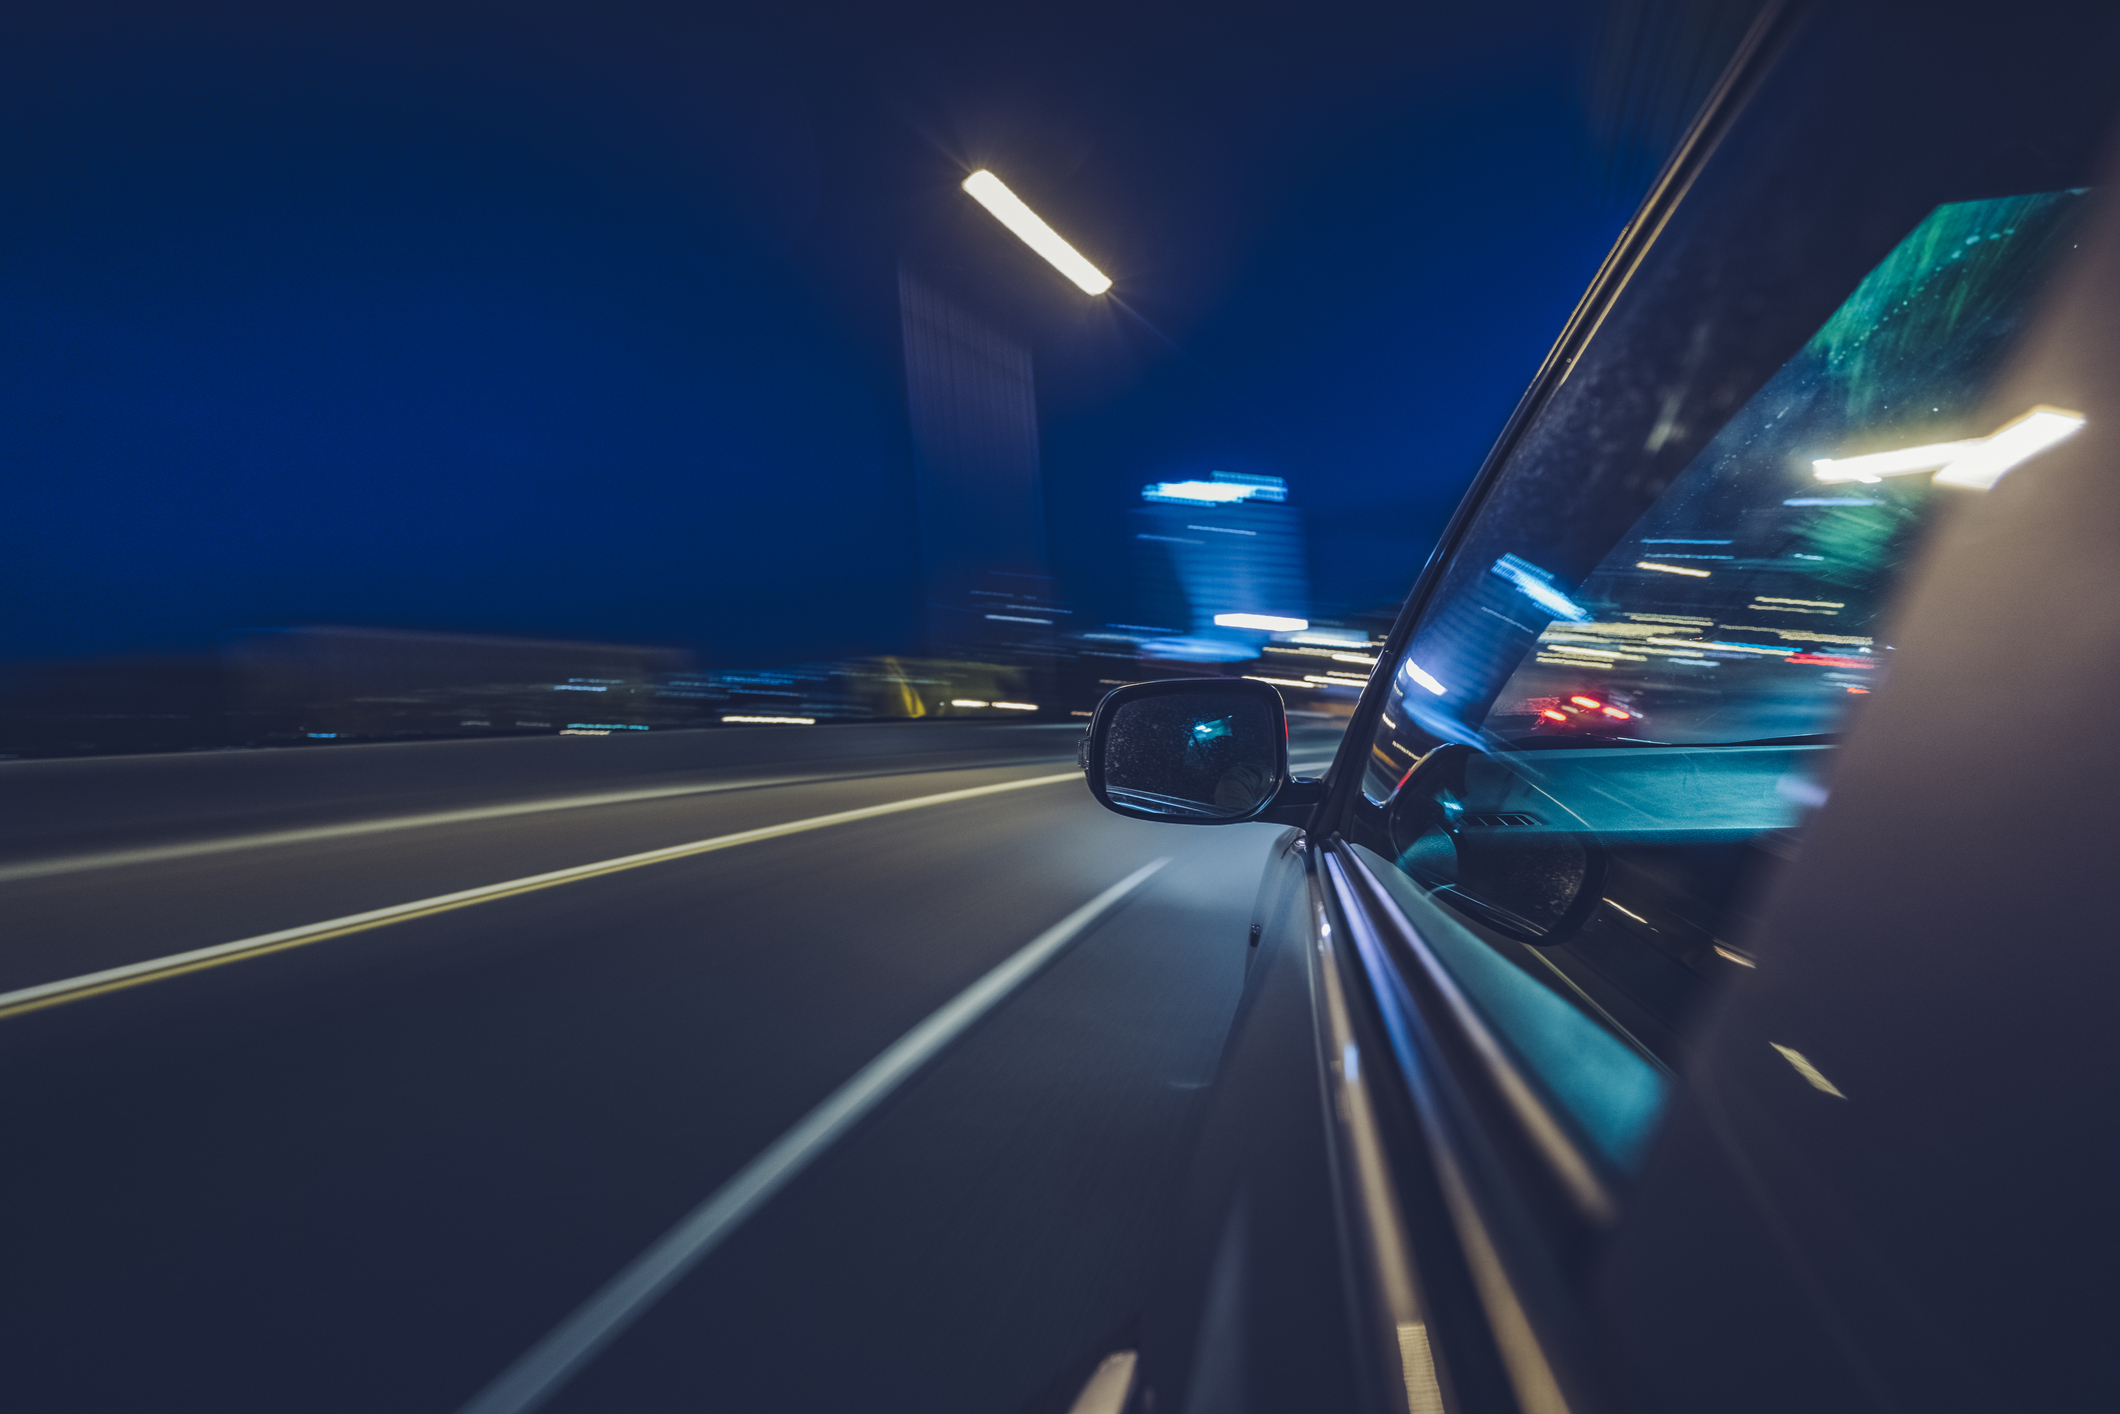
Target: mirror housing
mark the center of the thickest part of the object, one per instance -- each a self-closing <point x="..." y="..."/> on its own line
<point x="1195" y="751"/>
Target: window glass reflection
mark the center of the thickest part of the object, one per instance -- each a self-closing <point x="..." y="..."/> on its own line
<point x="1592" y="775"/>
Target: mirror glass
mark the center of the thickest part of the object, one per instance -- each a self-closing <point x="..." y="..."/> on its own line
<point x="1194" y="756"/>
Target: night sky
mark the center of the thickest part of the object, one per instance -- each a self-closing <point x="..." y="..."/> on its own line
<point x="580" y="321"/>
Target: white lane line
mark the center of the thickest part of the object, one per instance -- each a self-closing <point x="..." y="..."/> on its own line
<point x="538" y="1374"/>
<point x="156" y="854"/>
<point x="132" y="974"/>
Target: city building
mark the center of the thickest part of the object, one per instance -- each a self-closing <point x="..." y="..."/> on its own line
<point x="1220" y="565"/>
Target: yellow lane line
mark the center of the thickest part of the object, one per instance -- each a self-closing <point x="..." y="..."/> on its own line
<point x="95" y="984"/>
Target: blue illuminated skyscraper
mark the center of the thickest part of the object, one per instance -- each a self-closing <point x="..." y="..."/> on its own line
<point x="1209" y="549"/>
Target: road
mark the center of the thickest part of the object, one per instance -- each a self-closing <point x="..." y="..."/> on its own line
<point x="374" y="1165"/>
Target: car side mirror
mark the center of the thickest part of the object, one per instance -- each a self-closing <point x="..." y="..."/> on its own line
<point x="1195" y="751"/>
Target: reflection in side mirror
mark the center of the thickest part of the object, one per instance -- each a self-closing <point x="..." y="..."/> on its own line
<point x="1191" y="751"/>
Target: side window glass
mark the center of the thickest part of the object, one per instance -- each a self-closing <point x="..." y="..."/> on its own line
<point x="1589" y="775"/>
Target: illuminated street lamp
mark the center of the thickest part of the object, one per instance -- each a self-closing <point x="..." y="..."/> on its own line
<point x="986" y="189"/>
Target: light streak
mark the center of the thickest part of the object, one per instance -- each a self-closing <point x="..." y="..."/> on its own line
<point x="1420" y="675"/>
<point x="1808" y="1071"/>
<point x="1671" y="569"/>
<point x="749" y="720"/>
<point x="1271" y="623"/>
<point x="1007" y="208"/>
<point x="1976" y="463"/>
<point x="2012" y="445"/>
<point x="1226" y="488"/>
<point x="1875" y="466"/>
<point x="1696" y="646"/>
<point x="1537" y="586"/>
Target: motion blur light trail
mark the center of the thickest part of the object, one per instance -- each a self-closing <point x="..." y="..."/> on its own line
<point x="1976" y="463"/>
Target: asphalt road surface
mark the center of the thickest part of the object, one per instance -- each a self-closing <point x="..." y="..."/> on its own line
<point x="789" y="1090"/>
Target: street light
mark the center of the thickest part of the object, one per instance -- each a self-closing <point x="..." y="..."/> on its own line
<point x="986" y="189"/>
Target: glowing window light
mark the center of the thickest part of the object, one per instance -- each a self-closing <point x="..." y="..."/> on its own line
<point x="1015" y="706"/>
<point x="2012" y="444"/>
<point x="1007" y="208"/>
<point x="1270" y="623"/>
<point x="748" y="720"/>
<point x="1671" y="569"/>
<point x="1421" y="675"/>
<point x="1537" y="586"/>
<point x="1977" y="463"/>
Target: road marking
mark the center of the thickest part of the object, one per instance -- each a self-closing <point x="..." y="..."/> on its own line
<point x="1109" y="1385"/>
<point x="156" y="854"/>
<point x="71" y="989"/>
<point x="540" y="1372"/>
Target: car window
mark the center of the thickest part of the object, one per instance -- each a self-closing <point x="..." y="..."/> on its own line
<point x="1592" y="774"/>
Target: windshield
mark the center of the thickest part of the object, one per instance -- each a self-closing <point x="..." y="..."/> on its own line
<point x="1748" y="603"/>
